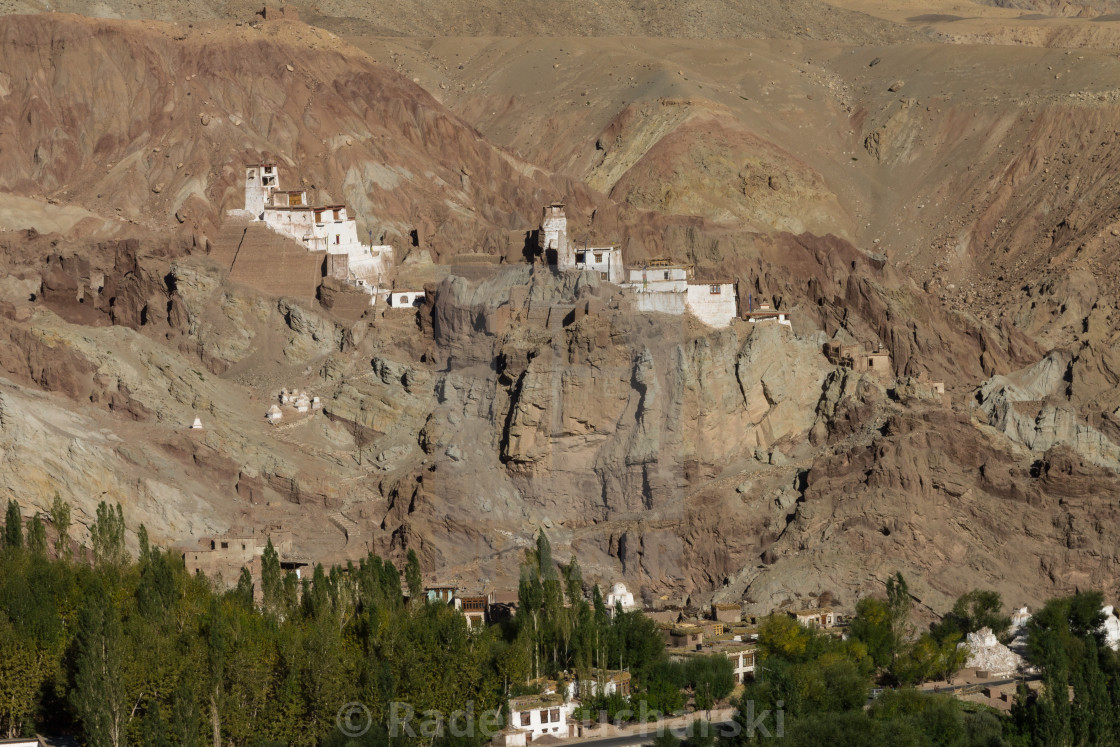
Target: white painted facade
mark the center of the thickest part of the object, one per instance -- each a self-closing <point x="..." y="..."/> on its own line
<point x="619" y="594"/>
<point x="713" y="303"/>
<point x="765" y="314"/>
<point x="320" y="228"/>
<point x="553" y="236"/>
<point x="405" y="299"/>
<point x="538" y="715"/>
<point x="607" y="261"/>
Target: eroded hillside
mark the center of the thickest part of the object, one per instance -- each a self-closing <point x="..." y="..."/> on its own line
<point x="952" y="205"/>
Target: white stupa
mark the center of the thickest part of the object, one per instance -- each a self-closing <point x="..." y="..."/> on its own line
<point x="619" y="594"/>
<point x="197" y="424"/>
<point x="274" y="415"/>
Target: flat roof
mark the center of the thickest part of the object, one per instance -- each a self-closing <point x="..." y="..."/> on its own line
<point x="525" y="702"/>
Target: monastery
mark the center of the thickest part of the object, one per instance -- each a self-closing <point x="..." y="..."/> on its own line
<point x="329" y="232"/>
<point x="660" y="285"/>
<point x="320" y="228"/>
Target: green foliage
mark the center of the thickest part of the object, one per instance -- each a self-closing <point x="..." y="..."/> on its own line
<point x="60" y="520"/>
<point x="413" y="577"/>
<point x="1065" y="641"/>
<point x="975" y="610"/>
<point x="36" y="537"/>
<point x="13" y="527"/>
<point x="98" y="697"/>
<point x="107" y="537"/>
<point x="272" y="583"/>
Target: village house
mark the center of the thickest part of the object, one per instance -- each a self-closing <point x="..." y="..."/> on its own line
<point x="683" y="635"/>
<point x="741" y="654"/>
<point x="605" y="681"/>
<point x="540" y="715"/>
<point x="476" y="608"/>
<point x="444" y="594"/>
<point x="274" y="414"/>
<point x="818" y="617"/>
<point x="858" y="359"/>
<point x="727" y="613"/>
<point x="223" y="556"/>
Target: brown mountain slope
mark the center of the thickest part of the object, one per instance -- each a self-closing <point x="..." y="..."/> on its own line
<point x="153" y="124"/>
<point x="681" y="18"/>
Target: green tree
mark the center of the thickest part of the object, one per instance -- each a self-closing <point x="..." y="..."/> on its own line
<point x="60" y="520"/>
<point x="20" y="677"/>
<point x="872" y="626"/>
<point x="972" y="611"/>
<point x="98" y="696"/>
<point x="37" y="537"/>
<point x="898" y="604"/>
<point x="107" y="537"/>
<point x="13" y="527"/>
<point x="413" y="577"/>
<point x="272" y="582"/>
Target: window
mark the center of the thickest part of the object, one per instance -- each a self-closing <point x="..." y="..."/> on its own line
<point x="337" y="239"/>
<point x="225" y="545"/>
<point x="715" y="290"/>
<point x="598" y="257"/>
<point x="525" y="718"/>
<point x="581" y="257"/>
<point x="555" y="715"/>
<point x="318" y="217"/>
<point x="666" y="274"/>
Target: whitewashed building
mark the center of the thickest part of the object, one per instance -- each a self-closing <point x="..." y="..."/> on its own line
<point x="405" y="299"/>
<point x="540" y="715"/>
<point x="715" y="304"/>
<point x="606" y="261"/>
<point x="323" y="228"/>
<point x="552" y="238"/>
<point x="620" y="595"/>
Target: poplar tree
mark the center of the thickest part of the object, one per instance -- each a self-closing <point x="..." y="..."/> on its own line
<point x="413" y="577"/>
<point x="272" y="582"/>
<point x="60" y="519"/>
<point x="13" y="527"/>
<point x="98" y="696"/>
<point x="37" y="537"/>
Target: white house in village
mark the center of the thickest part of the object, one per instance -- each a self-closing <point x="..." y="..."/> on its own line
<point x="540" y="715"/>
<point x="324" y="228"/>
<point x="609" y="682"/>
<point x="274" y="414"/>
